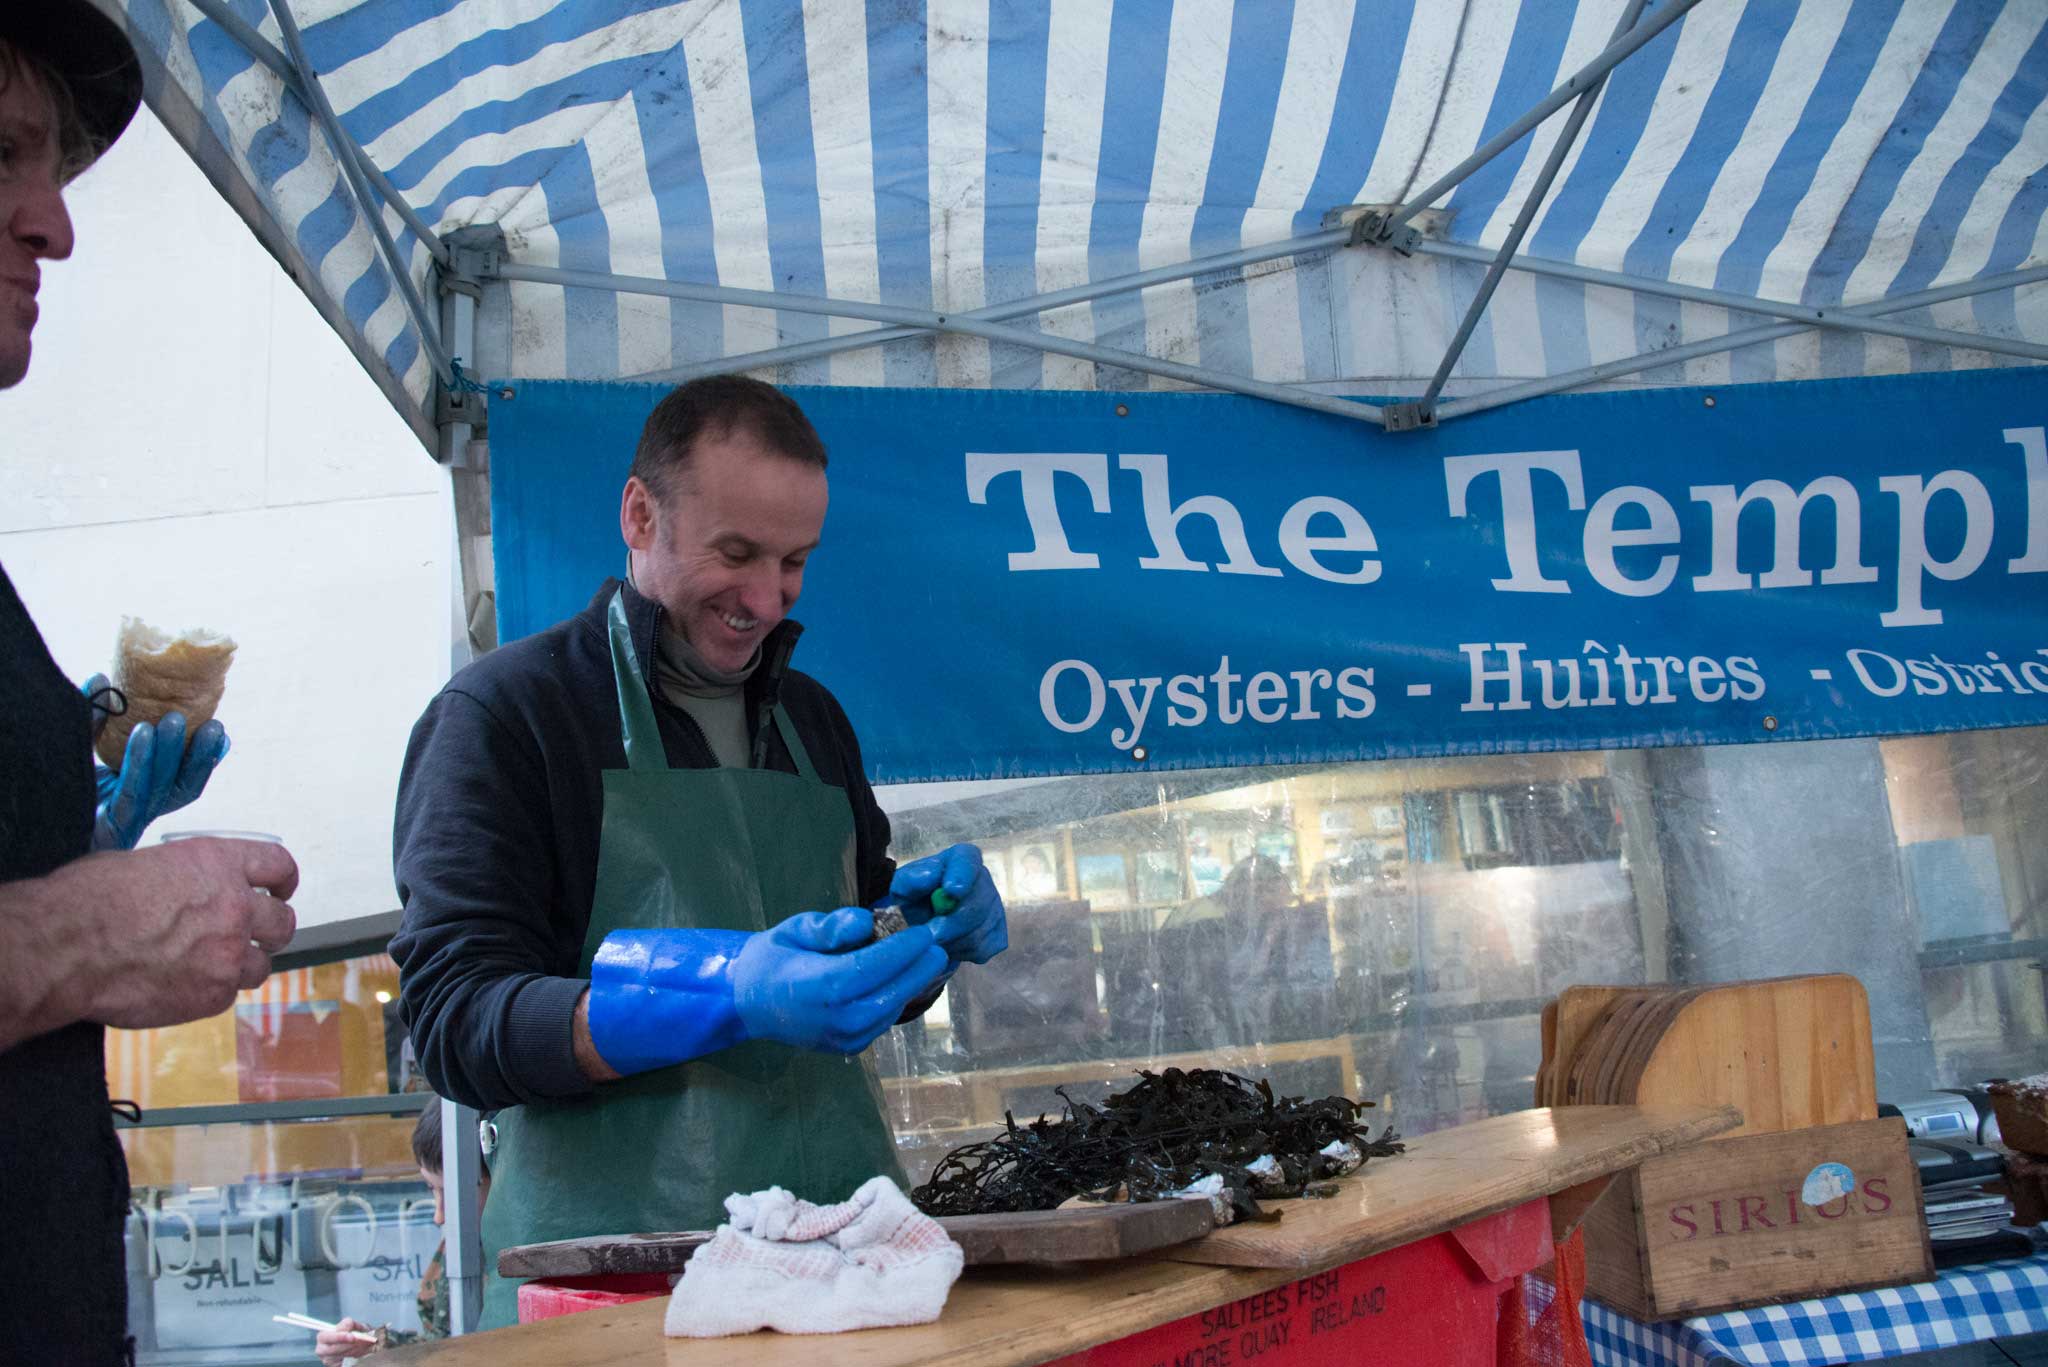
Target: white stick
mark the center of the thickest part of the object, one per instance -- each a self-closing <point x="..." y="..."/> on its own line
<point x="298" y="1321"/>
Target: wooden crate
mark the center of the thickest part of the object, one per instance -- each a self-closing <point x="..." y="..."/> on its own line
<point x="1728" y="1224"/>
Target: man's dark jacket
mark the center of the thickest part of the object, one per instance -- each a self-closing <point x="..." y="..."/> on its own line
<point x="495" y="845"/>
<point x="63" y="1178"/>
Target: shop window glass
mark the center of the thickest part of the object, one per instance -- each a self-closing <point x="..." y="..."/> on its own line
<point x="308" y="1034"/>
<point x="210" y="1264"/>
<point x="235" y="1220"/>
<point x="1391" y="930"/>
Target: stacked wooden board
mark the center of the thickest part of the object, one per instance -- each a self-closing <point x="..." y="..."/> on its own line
<point x="1788" y="1052"/>
<point x="1811" y="1194"/>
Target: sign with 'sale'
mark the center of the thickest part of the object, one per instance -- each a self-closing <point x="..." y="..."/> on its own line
<point x="1016" y="584"/>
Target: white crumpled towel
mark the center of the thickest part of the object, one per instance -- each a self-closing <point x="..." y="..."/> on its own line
<point x="783" y="1263"/>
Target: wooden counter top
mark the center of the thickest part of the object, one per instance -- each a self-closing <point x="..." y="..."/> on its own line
<point x="1012" y="1316"/>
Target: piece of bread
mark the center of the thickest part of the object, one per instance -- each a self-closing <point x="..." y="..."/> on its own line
<point x="2026" y="1182"/>
<point x="2022" y="1107"/>
<point x="159" y="674"/>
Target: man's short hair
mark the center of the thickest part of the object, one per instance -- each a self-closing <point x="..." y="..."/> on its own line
<point x="716" y="406"/>
<point x="76" y="146"/>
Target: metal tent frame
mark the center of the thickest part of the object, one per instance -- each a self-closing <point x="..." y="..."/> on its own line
<point x="464" y="264"/>
<point x="462" y="271"/>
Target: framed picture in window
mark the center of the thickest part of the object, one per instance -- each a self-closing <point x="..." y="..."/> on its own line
<point x="1036" y="871"/>
<point x="1104" y="883"/>
<point x="1158" y="878"/>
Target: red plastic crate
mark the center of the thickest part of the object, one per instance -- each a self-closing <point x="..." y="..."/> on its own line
<point x="1438" y="1301"/>
<point x="1435" y="1301"/>
<point x="551" y="1298"/>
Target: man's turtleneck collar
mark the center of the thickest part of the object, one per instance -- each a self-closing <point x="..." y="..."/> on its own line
<point x="683" y="670"/>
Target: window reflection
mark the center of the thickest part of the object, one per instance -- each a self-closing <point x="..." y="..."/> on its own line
<point x="345" y="1228"/>
<point x="1390" y="930"/>
<point x="231" y="1223"/>
<point x="329" y="1030"/>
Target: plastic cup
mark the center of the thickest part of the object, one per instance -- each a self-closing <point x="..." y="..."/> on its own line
<point x="173" y="837"/>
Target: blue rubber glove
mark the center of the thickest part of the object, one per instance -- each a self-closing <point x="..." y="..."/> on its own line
<point x="974" y="930"/>
<point x="659" y="997"/>
<point x="159" y="772"/>
<point x="107" y="702"/>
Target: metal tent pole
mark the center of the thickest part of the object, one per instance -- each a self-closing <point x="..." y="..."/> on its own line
<point x="1422" y="412"/>
<point x="943" y="322"/>
<point x="460" y="414"/>
<point x="1847" y="320"/>
<point x="461" y="1181"/>
<point x="295" y="47"/>
<point x="1322" y="240"/>
<point x="1579" y="82"/>
<point x="458" y="426"/>
<point x="261" y="49"/>
<point x="1553" y="384"/>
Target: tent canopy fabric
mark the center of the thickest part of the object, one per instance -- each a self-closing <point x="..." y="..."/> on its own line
<point x="948" y="154"/>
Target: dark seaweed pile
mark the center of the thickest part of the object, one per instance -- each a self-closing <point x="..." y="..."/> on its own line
<point x="1171" y="1129"/>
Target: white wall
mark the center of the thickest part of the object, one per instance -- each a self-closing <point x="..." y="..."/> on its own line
<point x="193" y="446"/>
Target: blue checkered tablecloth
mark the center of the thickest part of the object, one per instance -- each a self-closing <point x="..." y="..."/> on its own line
<point x="1963" y="1305"/>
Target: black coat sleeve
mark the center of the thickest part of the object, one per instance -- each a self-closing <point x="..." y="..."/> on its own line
<point x="485" y="985"/>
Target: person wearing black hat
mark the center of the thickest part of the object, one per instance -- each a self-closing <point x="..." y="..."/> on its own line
<point x="87" y="939"/>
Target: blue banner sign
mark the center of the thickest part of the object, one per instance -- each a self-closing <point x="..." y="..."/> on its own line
<point x="1037" y="583"/>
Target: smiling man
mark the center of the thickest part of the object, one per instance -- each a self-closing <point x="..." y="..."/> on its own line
<point x="638" y="858"/>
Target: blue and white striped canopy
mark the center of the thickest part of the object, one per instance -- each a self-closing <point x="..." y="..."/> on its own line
<point x="953" y="153"/>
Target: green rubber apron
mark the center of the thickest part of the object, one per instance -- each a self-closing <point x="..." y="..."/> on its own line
<point x="719" y="849"/>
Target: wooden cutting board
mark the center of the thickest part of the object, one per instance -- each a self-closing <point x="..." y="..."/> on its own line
<point x="1633" y="1015"/>
<point x="1631" y="1042"/>
<point x="1787" y="1052"/>
<point x="1600" y="1052"/>
<point x="1663" y="1013"/>
<point x="1454" y="1176"/>
<point x="1578" y="1008"/>
<point x="1031" y="1236"/>
<point x="1070" y="1236"/>
<point x="603" y="1255"/>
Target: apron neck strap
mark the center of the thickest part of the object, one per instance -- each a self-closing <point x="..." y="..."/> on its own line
<point x="637" y="726"/>
<point x="642" y="734"/>
<point x="795" y="745"/>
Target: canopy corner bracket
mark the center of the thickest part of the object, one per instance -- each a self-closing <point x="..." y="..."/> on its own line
<point x="1374" y="225"/>
<point x="1408" y="415"/>
<point x="461" y="405"/>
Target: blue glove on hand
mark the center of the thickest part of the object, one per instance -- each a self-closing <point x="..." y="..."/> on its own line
<point x="159" y="772"/>
<point x="659" y="997"/>
<point x="974" y="930"/>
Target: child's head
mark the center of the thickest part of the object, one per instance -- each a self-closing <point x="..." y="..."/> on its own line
<point x="426" y="1151"/>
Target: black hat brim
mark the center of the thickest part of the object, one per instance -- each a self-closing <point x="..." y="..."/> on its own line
<point x="89" y="50"/>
